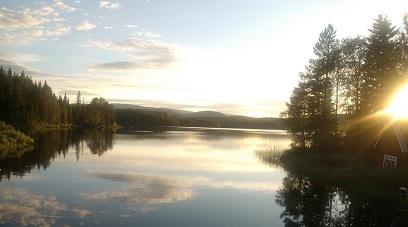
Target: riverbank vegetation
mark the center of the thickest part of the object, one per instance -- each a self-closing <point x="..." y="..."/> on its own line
<point x="26" y="104"/>
<point x="13" y="142"/>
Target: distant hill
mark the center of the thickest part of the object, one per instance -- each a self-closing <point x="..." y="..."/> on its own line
<point x="154" y="109"/>
<point x="205" y="114"/>
<point x="129" y="115"/>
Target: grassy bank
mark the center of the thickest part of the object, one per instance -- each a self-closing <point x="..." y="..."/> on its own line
<point x="13" y="142"/>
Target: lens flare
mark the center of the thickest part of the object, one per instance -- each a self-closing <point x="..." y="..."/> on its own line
<point x="398" y="107"/>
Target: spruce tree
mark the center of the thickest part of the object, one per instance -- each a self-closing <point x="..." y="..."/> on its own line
<point x="381" y="64"/>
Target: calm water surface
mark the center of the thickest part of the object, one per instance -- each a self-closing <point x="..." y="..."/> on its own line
<point x="176" y="177"/>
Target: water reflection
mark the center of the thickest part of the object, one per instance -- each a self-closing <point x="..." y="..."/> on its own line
<point x="310" y="200"/>
<point x="158" y="178"/>
<point x="98" y="141"/>
<point x="149" y="178"/>
<point x="54" y="144"/>
<point x="21" y="207"/>
<point x="143" y="191"/>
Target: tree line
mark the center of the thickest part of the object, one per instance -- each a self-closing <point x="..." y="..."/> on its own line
<point x="134" y="118"/>
<point x="26" y="103"/>
<point x="346" y="82"/>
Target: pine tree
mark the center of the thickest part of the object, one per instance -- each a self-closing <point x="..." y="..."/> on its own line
<point x="381" y="64"/>
<point x="319" y="80"/>
<point x="353" y="52"/>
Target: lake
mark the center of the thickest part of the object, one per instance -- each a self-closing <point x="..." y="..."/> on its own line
<point x="168" y="177"/>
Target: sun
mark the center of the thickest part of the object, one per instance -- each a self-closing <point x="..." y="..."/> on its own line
<point x="398" y="107"/>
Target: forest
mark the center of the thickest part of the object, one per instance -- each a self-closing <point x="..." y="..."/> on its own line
<point x="346" y="85"/>
<point x="28" y="104"/>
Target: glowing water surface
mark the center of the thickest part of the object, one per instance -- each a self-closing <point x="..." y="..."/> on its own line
<point x="173" y="177"/>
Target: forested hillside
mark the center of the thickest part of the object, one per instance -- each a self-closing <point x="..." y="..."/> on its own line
<point x="143" y="117"/>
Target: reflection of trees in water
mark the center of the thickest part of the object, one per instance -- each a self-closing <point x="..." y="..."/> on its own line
<point x="99" y="141"/>
<point x="311" y="202"/>
<point x="330" y="196"/>
<point x="53" y="144"/>
<point x="305" y="203"/>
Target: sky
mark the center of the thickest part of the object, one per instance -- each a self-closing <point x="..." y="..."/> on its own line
<point x="233" y="56"/>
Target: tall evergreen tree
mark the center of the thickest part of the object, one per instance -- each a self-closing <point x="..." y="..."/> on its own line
<point x="381" y="64"/>
<point x="353" y="52"/>
<point x="319" y="79"/>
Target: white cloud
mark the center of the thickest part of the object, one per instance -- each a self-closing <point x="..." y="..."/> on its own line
<point x="26" y="36"/>
<point x="108" y="27"/>
<point x="148" y="34"/>
<point x="26" y="18"/>
<point x="63" y="6"/>
<point x="144" y="53"/>
<point x="130" y="26"/>
<point x="109" y="4"/>
<point x="85" y="26"/>
<point x="20" y="27"/>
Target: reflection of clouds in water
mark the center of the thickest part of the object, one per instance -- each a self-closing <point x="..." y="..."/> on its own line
<point x="147" y="190"/>
<point x="26" y="208"/>
<point x="222" y="162"/>
<point x="153" y="182"/>
<point x="190" y="151"/>
<point x="214" y="140"/>
<point x="144" y="192"/>
<point x="243" y="186"/>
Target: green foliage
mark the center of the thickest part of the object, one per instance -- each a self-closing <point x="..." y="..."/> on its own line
<point x="353" y="51"/>
<point x="99" y="113"/>
<point x="346" y="82"/>
<point x="27" y="103"/>
<point x="13" y="142"/>
<point x="381" y="65"/>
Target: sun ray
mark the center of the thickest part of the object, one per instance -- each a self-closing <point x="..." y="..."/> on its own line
<point x="398" y="107"/>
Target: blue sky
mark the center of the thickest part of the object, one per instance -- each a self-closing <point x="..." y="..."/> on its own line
<point x="234" y="56"/>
